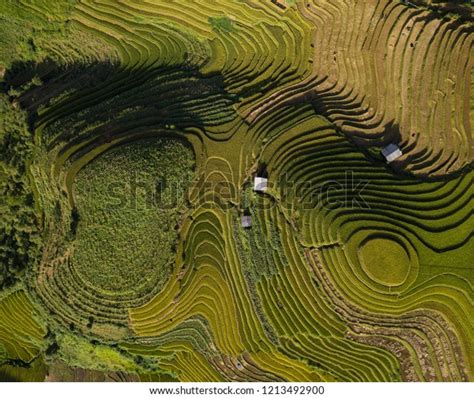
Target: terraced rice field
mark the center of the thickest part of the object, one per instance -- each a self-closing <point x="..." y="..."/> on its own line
<point x="131" y="135"/>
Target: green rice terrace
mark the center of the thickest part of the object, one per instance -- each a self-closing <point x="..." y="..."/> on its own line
<point x="236" y="190"/>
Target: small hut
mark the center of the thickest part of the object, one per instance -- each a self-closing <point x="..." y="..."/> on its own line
<point x="260" y="184"/>
<point x="391" y="152"/>
<point x="246" y="221"/>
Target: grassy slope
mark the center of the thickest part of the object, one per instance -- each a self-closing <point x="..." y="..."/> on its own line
<point x="125" y="232"/>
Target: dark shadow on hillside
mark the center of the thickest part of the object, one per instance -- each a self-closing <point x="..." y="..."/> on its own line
<point x="371" y="146"/>
<point x="461" y="8"/>
<point x="5" y="377"/>
<point x="106" y="94"/>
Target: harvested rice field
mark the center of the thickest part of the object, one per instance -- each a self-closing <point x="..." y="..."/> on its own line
<point x="236" y="190"/>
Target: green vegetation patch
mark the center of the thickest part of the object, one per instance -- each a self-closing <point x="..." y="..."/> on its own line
<point x="33" y="372"/>
<point x="19" y="236"/>
<point x="385" y="261"/>
<point x="222" y="23"/>
<point x="128" y="204"/>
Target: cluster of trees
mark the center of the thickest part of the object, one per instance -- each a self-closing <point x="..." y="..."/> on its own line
<point x="19" y="236"/>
